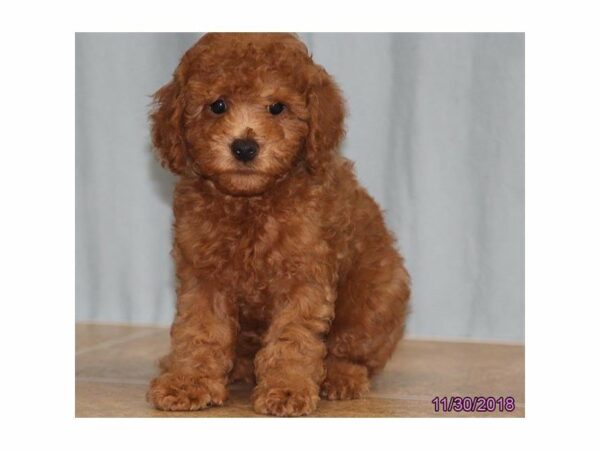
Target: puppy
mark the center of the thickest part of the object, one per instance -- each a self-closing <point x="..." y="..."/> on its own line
<point x="287" y="275"/>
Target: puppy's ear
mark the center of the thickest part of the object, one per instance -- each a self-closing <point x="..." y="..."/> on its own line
<point x="326" y="119"/>
<point x="167" y="126"/>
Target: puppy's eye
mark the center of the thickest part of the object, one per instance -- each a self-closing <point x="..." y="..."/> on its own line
<point x="276" y="108"/>
<point x="219" y="106"/>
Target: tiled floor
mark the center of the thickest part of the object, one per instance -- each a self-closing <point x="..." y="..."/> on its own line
<point x="115" y="363"/>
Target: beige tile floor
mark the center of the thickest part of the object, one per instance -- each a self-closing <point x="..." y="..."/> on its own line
<point x="115" y="363"/>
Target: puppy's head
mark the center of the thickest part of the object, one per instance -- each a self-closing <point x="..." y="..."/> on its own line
<point x="244" y="109"/>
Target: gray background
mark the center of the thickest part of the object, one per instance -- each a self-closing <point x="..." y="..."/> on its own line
<point x="436" y="127"/>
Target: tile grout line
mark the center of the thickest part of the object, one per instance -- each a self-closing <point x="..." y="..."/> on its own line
<point x="419" y="339"/>
<point x="137" y="382"/>
<point x="114" y="341"/>
<point x="437" y="340"/>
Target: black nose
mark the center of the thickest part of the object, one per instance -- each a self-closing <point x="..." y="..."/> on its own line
<point x="244" y="149"/>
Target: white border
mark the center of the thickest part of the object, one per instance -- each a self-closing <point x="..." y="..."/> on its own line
<point x="37" y="188"/>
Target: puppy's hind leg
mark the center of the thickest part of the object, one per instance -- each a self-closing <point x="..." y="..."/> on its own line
<point x="369" y="321"/>
<point x="344" y="380"/>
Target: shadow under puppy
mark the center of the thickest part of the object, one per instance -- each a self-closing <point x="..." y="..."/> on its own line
<point x="287" y="275"/>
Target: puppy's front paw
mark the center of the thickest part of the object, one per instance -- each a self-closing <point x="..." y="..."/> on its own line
<point x="177" y="392"/>
<point x="285" y="401"/>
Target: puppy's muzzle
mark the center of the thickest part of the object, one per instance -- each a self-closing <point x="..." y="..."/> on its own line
<point x="244" y="150"/>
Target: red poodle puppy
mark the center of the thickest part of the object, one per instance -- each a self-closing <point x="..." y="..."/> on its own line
<point x="287" y="275"/>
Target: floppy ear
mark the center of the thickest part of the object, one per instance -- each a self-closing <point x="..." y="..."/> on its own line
<point x="326" y="119"/>
<point x="167" y="126"/>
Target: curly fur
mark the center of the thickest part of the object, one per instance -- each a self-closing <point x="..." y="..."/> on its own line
<point x="288" y="277"/>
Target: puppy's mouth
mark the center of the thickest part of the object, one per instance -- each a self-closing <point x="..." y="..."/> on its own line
<point x="243" y="182"/>
<point x="243" y="172"/>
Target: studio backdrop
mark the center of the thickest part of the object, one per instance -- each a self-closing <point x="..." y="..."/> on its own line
<point x="435" y="126"/>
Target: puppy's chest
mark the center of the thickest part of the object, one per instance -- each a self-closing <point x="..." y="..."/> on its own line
<point x="243" y="257"/>
<point x="254" y="256"/>
<point x="243" y="251"/>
